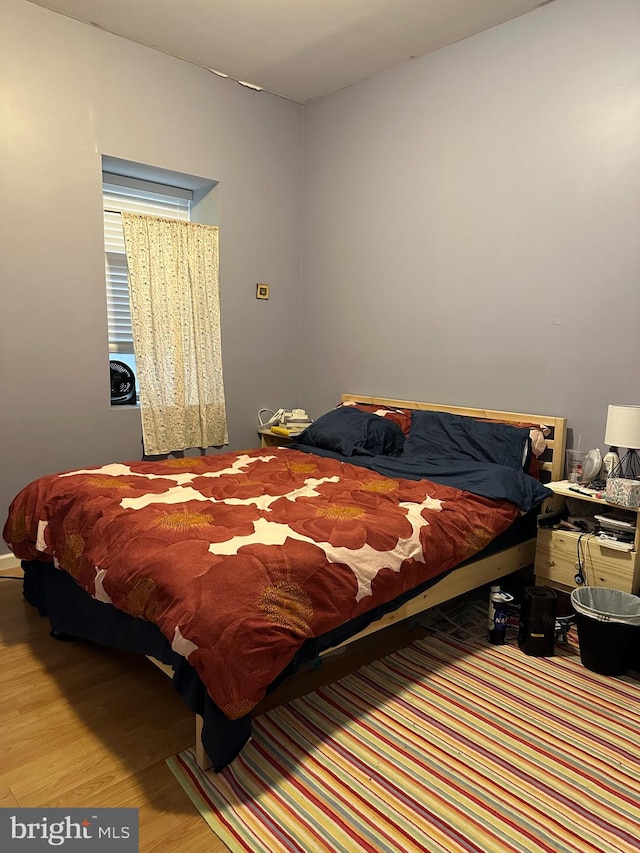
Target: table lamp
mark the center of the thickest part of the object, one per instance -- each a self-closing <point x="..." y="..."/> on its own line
<point x="623" y="430"/>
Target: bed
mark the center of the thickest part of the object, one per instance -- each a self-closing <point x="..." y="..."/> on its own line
<point x="232" y="571"/>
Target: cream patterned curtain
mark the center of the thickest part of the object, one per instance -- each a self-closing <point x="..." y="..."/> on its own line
<point x="175" y="316"/>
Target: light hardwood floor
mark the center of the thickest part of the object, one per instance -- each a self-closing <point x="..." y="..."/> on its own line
<point x="84" y="726"/>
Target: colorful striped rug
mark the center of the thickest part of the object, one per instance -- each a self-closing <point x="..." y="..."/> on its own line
<point x="444" y="746"/>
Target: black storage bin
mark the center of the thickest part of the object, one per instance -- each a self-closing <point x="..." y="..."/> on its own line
<point x="537" y="630"/>
<point x="608" y="622"/>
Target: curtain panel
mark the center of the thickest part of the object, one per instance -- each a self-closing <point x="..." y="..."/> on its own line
<point x="175" y="317"/>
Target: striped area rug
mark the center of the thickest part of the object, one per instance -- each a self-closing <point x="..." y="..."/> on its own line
<point x="444" y="746"/>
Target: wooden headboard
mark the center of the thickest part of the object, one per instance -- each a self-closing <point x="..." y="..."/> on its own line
<point x="551" y="462"/>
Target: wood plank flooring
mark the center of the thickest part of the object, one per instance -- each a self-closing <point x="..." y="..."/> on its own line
<point x="84" y="726"/>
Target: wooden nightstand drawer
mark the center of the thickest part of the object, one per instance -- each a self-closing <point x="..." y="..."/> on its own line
<point x="557" y="560"/>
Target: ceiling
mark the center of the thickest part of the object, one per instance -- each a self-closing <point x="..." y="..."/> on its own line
<point x="298" y="49"/>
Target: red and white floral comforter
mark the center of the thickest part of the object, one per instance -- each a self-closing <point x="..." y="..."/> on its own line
<point x="239" y="558"/>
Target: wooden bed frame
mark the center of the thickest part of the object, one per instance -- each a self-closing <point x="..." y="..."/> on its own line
<point x="459" y="581"/>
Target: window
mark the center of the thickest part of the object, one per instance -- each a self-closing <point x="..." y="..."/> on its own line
<point x="124" y="193"/>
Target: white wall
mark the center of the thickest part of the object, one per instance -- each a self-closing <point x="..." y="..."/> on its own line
<point x="471" y="219"/>
<point x="71" y="93"/>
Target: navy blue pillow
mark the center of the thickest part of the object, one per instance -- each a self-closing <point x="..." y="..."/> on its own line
<point x="438" y="436"/>
<point x="352" y="432"/>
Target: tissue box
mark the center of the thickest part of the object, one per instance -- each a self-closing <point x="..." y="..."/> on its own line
<point x="623" y="492"/>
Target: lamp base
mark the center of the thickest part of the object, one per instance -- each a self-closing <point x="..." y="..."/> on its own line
<point x="629" y="466"/>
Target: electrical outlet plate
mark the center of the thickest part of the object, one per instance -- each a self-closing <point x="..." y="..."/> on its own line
<point x="262" y="291"/>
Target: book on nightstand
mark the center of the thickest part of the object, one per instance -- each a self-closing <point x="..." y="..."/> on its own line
<point x="290" y="430"/>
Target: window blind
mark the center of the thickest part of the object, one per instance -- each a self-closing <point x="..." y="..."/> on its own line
<point x="128" y="194"/>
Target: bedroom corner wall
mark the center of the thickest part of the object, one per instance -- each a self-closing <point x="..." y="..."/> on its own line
<point x="71" y="93"/>
<point x="470" y="223"/>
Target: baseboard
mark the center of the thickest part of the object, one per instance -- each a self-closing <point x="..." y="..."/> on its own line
<point x="9" y="565"/>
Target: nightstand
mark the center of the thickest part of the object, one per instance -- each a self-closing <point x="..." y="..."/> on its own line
<point x="559" y="552"/>
<point x="270" y="439"/>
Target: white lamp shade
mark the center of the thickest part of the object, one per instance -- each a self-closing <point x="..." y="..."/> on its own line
<point x="623" y="427"/>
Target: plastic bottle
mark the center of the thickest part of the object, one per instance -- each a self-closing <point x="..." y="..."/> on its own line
<point x="611" y="463"/>
<point x="498" y="601"/>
